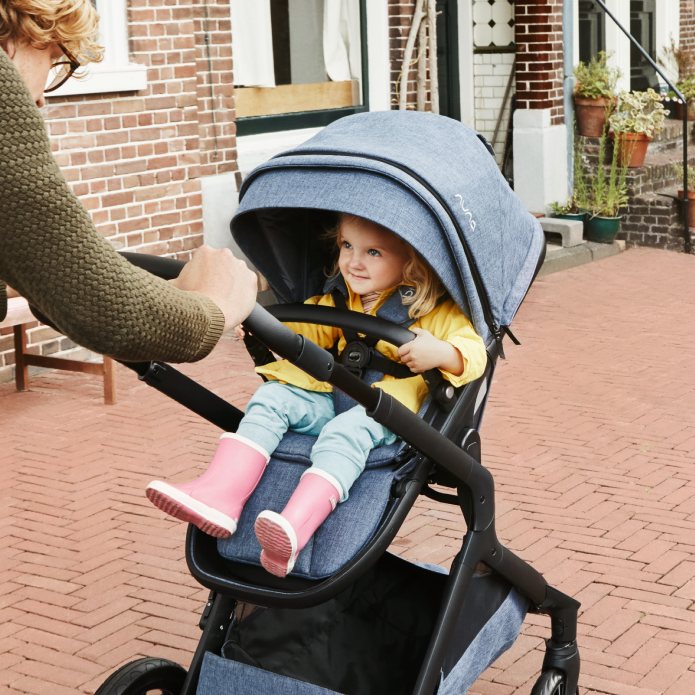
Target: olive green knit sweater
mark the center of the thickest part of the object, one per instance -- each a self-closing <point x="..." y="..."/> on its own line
<point x="51" y="254"/>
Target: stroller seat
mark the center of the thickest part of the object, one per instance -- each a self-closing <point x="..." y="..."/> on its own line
<point x="344" y="533"/>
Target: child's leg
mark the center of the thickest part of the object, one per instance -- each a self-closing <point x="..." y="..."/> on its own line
<point x="276" y="408"/>
<point x="338" y="457"/>
<point x="214" y="501"/>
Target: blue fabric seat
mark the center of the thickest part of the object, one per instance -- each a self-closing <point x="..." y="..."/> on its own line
<point x="346" y="531"/>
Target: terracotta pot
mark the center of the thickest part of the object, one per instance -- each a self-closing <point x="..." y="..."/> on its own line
<point x="634" y="146"/>
<point x="691" y="206"/>
<point x="678" y="111"/>
<point x="591" y="116"/>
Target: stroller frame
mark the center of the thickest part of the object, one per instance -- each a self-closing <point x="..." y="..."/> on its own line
<point x="439" y="460"/>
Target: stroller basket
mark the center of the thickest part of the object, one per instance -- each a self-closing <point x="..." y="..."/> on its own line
<point x="352" y="618"/>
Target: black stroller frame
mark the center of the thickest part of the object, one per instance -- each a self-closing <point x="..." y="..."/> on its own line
<point x="450" y="457"/>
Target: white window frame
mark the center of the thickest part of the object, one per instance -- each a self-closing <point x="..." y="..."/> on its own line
<point x="116" y="73"/>
<point x="253" y="150"/>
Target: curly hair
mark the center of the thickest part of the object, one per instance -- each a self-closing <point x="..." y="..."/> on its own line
<point x="40" y="23"/>
<point x="417" y="272"/>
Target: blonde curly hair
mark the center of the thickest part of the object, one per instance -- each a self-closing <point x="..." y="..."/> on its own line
<point x="417" y="272"/>
<point x="40" y="23"/>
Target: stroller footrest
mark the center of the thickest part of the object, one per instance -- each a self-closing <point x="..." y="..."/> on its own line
<point x="220" y="676"/>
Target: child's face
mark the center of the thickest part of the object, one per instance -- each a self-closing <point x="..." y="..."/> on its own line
<point x="371" y="258"/>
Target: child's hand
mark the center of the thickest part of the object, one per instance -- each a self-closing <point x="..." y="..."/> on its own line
<point x="239" y="332"/>
<point x="427" y="352"/>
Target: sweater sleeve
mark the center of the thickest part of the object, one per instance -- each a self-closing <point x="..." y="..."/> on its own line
<point x="51" y="253"/>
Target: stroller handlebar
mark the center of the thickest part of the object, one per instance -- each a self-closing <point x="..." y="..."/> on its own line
<point x="343" y="319"/>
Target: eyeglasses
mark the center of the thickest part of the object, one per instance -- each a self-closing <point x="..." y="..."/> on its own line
<point x="64" y="70"/>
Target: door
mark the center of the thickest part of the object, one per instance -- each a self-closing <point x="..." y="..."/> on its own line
<point x="448" y="59"/>
<point x="643" y="28"/>
<point x="592" y="30"/>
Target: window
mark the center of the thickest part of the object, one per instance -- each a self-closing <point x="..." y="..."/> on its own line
<point x="297" y="63"/>
<point x="115" y="73"/>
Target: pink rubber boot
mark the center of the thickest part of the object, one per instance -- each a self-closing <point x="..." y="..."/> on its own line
<point x="282" y="536"/>
<point x="214" y="501"/>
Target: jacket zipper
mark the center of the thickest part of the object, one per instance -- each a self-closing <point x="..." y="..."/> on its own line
<point x="496" y="330"/>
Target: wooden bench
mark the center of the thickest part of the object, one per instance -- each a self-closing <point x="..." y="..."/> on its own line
<point x="18" y="315"/>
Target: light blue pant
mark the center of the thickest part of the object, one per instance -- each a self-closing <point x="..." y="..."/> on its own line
<point x="344" y="441"/>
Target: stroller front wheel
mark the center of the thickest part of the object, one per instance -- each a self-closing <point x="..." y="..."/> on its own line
<point x="144" y="675"/>
<point x="550" y="682"/>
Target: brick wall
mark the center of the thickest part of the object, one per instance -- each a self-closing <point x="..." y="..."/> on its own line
<point x="135" y="159"/>
<point x="491" y="73"/>
<point x="400" y="16"/>
<point x="539" y="73"/>
<point x="687" y="24"/>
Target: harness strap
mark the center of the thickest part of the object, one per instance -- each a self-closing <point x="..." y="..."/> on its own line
<point x="374" y="359"/>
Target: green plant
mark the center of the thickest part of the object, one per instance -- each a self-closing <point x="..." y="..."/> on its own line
<point x="686" y="88"/>
<point x="683" y="57"/>
<point x="569" y="207"/>
<point x="595" y="79"/>
<point x="582" y="194"/>
<point x="678" y="170"/>
<point x="608" y="191"/>
<point x="639" y="112"/>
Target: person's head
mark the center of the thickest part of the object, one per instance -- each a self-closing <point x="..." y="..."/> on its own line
<point x="38" y="34"/>
<point x="372" y="258"/>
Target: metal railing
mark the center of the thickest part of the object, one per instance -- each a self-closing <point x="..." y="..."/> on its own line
<point x="636" y="44"/>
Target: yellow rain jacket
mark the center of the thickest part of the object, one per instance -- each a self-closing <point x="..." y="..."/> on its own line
<point x="446" y="322"/>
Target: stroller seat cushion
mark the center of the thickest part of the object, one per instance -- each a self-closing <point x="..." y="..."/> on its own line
<point x="296" y="448"/>
<point x="344" y="533"/>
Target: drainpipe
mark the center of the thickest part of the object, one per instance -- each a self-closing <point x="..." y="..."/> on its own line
<point x="568" y="84"/>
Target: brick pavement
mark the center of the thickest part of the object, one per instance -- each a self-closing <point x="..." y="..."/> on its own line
<point x="589" y="432"/>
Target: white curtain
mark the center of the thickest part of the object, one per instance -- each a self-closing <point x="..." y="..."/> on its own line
<point x="252" y="43"/>
<point x="341" y="40"/>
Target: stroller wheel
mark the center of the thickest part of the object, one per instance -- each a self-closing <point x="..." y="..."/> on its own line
<point x="144" y="675"/>
<point x="550" y="682"/>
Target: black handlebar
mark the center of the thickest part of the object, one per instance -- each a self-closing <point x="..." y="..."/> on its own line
<point x="343" y="319"/>
<point x="165" y="268"/>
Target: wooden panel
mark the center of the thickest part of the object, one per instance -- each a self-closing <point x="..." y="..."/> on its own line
<point x="17" y="313"/>
<point x="293" y="98"/>
<point x="109" y="381"/>
<point x="67" y="365"/>
<point x="21" y="368"/>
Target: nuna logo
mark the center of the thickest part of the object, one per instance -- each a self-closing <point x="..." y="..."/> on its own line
<point x="467" y="212"/>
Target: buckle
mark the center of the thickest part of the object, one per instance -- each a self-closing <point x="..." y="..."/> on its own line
<point x="356" y="357"/>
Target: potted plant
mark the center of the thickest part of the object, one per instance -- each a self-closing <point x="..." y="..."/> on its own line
<point x="568" y="210"/>
<point x="687" y="89"/>
<point x="639" y="115"/>
<point x="608" y="194"/>
<point x="594" y="94"/>
<point x="683" y="58"/>
<point x="678" y="169"/>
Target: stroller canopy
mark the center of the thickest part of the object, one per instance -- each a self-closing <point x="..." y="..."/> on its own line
<point x="428" y="178"/>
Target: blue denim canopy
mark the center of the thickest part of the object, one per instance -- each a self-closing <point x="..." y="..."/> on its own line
<point x="428" y="178"/>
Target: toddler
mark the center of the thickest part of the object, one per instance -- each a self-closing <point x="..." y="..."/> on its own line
<point x="374" y="263"/>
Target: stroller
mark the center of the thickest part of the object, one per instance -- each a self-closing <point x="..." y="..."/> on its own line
<point x="352" y="618"/>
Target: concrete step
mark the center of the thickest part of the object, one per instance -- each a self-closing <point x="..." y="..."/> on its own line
<point x="559" y="258"/>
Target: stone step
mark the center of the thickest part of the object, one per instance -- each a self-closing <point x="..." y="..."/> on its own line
<point x="657" y="172"/>
<point x="654" y="220"/>
<point x="669" y="136"/>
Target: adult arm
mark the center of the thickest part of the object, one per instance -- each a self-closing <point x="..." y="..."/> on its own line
<point x="51" y="253"/>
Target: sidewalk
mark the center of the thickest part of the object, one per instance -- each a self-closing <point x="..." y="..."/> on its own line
<point x="590" y="433"/>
